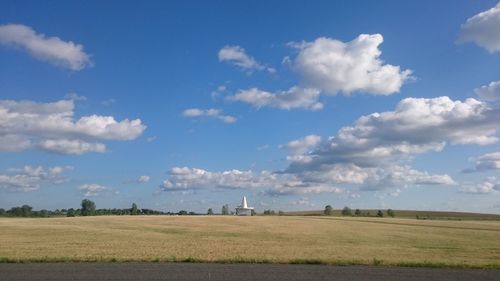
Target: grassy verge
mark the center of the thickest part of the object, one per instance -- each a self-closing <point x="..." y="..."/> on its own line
<point x="237" y="260"/>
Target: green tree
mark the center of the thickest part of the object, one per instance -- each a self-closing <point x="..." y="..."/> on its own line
<point x="2" y="212"/>
<point x="253" y="213"/>
<point x="225" y="210"/>
<point x="281" y="213"/>
<point x="70" y="212"/>
<point x="380" y="213"/>
<point x="26" y="210"/>
<point x="269" y="212"/>
<point x="346" y="211"/>
<point x="328" y="210"/>
<point x="357" y="212"/>
<point x="390" y="213"/>
<point x="134" y="210"/>
<point x="210" y="212"/>
<point x="88" y="207"/>
<point x="44" y="213"/>
<point x="183" y="213"/>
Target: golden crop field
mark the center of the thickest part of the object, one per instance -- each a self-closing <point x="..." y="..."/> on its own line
<point x="278" y="239"/>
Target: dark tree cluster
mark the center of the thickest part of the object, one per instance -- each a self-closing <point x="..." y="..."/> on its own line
<point x="346" y="211"/>
<point x="88" y="208"/>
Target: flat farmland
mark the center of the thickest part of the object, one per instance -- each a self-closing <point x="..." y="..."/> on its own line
<point x="259" y="239"/>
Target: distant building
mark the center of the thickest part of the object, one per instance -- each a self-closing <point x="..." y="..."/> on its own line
<point x="243" y="209"/>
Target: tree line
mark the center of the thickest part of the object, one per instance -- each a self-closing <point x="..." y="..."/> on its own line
<point x="87" y="208"/>
<point x="346" y="211"/>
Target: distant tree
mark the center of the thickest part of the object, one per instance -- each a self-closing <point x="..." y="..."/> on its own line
<point x="88" y="207"/>
<point x="182" y="213"/>
<point x="134" y="210"/>
<point x="225" y="210"/>
<point x="253" y="213"/>
<point x="357" y="212"/>
<point x="26" y="210"/>
<point x="44" y="213"/>
<point x="328" y="210"/>
<point x="346" y="211"/>
<point x="380" y="213"/>
<point x="71" y="212"/>
<point x="210" y="212"/>
<point x="281" y="213"/>
<point x="269" y="212"/>
<point x="192" y="213"/>
<point x="15" y="211"/>
<point x="2" y="212"/>
<point x="390" y="213"/>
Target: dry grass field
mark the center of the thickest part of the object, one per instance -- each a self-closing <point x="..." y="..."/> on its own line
<point x="285" y="239"/>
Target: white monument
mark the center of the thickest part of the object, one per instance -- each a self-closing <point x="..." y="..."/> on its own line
<point x="243" y="209"/>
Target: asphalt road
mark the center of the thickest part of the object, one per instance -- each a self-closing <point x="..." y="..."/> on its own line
<point x="243" y="272"/>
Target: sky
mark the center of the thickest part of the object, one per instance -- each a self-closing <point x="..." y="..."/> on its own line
<point x="190" y="105"/>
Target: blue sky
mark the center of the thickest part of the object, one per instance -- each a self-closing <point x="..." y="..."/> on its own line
<point x="191" y="105"/>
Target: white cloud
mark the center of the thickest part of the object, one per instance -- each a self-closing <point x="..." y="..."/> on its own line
<point x="76" y="147"/>
<point x="331" y="66"/>
<point x="185" y="178"/>
<point x="301" y="146"/>
<point x="295" y="97"/>
<point x="143" y="179"/>
<point x="490" y="92"/>
<point x="334" y="66"/>
<point x="237" y="56"/>
<point x="90" y="190"/>
<point x="51" y="127"/>
<point x="483" y="29"/>
<point x="75" y="97"/>
<point x="489" y="185"/>
<point x="212" y="113"/>
<point x="29" y="178"/>
<point x="367" y="155"/>
<point x="303" y="201"/>
<point x="489" y="161"/>
<point x="51" y="49"/>
<point x="417" y="125"/>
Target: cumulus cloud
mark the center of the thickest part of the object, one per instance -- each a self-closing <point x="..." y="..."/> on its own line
<point x="489" y="161"/>
<point x="29" y="178"/>
<point x="334" y="66"/>
<point x="295" y="97"/>
<point x="284" y="183"/>
<point x="331" y="66"/>
<point x="417" y="125"/>
<point x="237" y="56"/>
<point x="76" y="147"/>
<point x="490" y="92"/>
<point x="489" y="185"/>
<point x="91" y="190"/>
<point x="212" y="113"/>
<point x="143" y="179"/>
<point x="65" y="54"/>
<point x="368" y="155"/>
<point x="52" y="127"/>
<point x="482" y="29"/>
<point x="300" y="147"/>
<point x="185" y="178"/>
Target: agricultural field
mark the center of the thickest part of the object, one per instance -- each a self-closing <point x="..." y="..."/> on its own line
<point x="259" y="239"/>
<point x="409" y="214"/>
